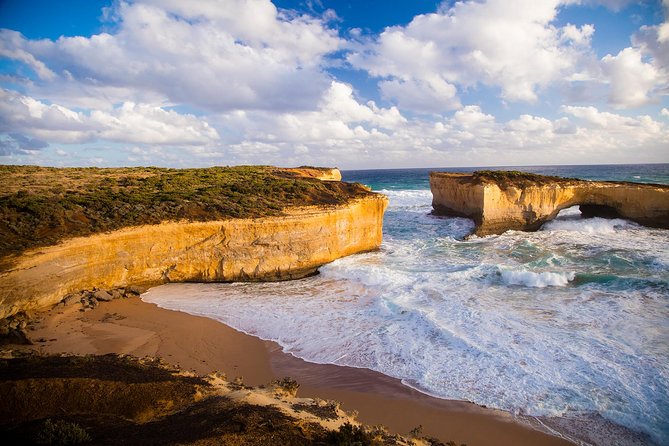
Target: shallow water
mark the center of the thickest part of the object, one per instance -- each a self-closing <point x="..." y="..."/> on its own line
<point x="571" y="320"/>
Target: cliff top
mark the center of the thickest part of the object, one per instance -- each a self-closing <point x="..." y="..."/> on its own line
<point x="506" y="178"/>
<point x="513" y="178"/>
<point x="41" y="205"/>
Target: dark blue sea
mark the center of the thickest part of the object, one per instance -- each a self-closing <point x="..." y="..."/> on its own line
<point x="567" y="323"/>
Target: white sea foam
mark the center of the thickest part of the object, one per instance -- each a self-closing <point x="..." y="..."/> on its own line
<point x="417" y="200"/>
<point x="537" y="280"/>
<point x="595" y="225"/>
<point x="465" y="319"/>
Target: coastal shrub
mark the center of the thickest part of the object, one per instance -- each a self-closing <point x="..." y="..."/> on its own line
<point x="40" y="206"/>
<point x="514" y="175"/>
<point x="327" y="411"/>
<point x="61" y="432"/>
<point x="349" y="435"/>
<point x="287" y="385"/>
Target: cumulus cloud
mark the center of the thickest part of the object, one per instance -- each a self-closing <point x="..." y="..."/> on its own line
<point x="507" y="44"/>
<point x="632" y="79"/>
<point x="515" y="46"/>
<point x="130" y="122"/>
<point x="340" y="117"/>
<point x="639" y="74"/>
<point x="349" y="134"/>
<point x="259" y="76"/>
<point x="209" y="54"/>
<point x="432" y="94"/>
<point x="16" y="143"/>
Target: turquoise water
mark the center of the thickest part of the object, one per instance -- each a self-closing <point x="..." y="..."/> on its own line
<point x="569" y="321"/>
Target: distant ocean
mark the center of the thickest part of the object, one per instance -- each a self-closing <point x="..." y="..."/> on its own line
<point x="571" y="321"/>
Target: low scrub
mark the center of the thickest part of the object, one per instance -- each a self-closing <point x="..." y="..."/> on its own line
<point x="40" y="206"/>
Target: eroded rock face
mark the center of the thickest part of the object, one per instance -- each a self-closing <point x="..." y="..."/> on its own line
<point x="270" y="248"/>
<point x="320" y="173"/>
<point x="500" y="205"/>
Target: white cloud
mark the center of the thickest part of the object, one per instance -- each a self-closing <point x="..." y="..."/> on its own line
<point x="513" y="45"/>
<point x="664" y="112"/>
<point x="10" y="47"/>
<point x="579" y="36"/>
<point x="209" y="54"/>
<point x="597" y="119"/>
<point x="639" y="74"/>
<point x="340" y="117"/>
<point x="470" y="136"/>
<point x="260" y="74"/>
<point x="432" y="94"/>
<point x="507" y="44"/>
<point x="138" y="123"/>
<point x="347" y="133"/>
<point x="632" y="80"/>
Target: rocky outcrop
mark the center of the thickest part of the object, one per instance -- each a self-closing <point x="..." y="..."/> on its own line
<point x="501" y="201"/>
<point x="269" y="248"/>
<point x="319" y="173"/>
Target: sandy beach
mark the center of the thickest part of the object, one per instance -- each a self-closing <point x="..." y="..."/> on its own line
<point x="131" y="326"/>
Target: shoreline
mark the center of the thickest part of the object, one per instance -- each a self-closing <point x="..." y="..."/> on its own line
<point x="203" y="345"/>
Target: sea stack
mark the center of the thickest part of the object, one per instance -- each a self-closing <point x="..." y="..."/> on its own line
<point x="498" y="201"/>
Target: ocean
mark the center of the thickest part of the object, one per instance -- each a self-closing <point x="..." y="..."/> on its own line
<point x="569" y="322"/>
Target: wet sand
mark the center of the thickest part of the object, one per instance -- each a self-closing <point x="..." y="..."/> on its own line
<point x="131" y="326"/>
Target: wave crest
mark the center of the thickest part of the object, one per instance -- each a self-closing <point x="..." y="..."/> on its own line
<point x="537" y="280"/>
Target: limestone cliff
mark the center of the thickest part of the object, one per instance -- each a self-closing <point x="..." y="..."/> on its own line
<point x="499" y="201"/>
<point x="268" y="248"/>
<point x="319" y="173"/>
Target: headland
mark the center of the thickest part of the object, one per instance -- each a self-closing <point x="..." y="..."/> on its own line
<point x="83" y="229"/>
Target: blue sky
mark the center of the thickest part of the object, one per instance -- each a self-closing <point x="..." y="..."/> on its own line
<point x="354" y="84"/>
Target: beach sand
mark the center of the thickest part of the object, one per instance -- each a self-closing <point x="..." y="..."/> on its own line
<point x="131" y="326"/>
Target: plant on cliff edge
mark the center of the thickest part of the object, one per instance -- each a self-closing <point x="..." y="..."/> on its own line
<point x="61" y="432"/>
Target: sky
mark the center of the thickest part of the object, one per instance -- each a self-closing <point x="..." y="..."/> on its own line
<point x="353" y="84"/>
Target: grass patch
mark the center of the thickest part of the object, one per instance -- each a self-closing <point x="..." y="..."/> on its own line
<point x="40" y="206"/>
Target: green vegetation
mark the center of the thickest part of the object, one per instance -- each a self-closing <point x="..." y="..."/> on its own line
<point x="514" y="178"/>
<point x="61" y="432"/>
<point x="40" y="206"/>
<point x="514" y="175"/>
<point x="349" y="435"/>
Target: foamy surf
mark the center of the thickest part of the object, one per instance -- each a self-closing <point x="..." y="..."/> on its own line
<point x="536" y="280"/>
<point x="565" y="322"/>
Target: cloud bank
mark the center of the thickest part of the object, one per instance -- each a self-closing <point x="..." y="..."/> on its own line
<point x="245" y="82"/>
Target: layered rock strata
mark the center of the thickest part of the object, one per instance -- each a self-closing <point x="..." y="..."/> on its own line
<point x="500" y="202"/>
<point x="270" y="248"/>
<point x="319" y="173"/>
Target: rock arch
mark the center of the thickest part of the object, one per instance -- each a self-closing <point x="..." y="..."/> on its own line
<point x="499" y="201"/>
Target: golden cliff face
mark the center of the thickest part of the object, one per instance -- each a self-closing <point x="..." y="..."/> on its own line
<point x="270" y="248"/>
<point x="496" y="207"/>
<point x="319" y="173"/>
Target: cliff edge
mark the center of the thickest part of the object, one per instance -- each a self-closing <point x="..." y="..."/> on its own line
<point x="498" y="201"/>
<point x="318" y="223"/>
